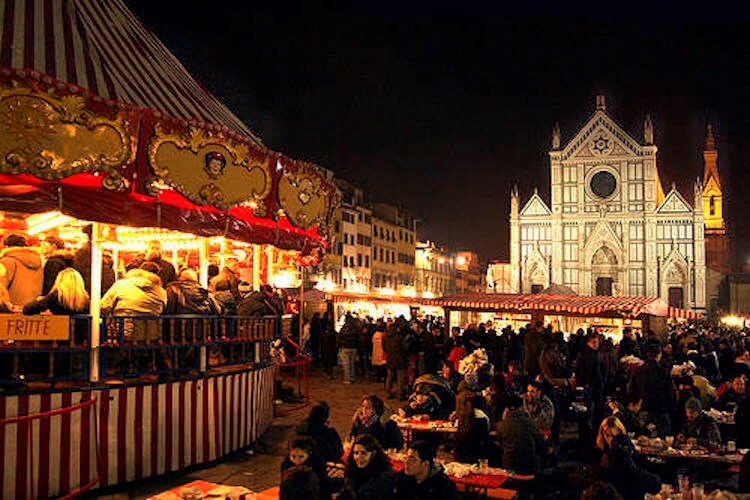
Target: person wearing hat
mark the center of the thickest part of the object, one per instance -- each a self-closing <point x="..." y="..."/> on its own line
<point x="699" y="425"/>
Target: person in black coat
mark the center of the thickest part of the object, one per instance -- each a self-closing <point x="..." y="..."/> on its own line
<point x="56" y="259"/>
<point x="327" y="440"/>
<point x="302" y="452"/>
<point x="617" y="464"/>
<point x="369" y="474"/>
<point x="371" y="418"/>
<point x="652" y="382"/>
<point x="589" y="373"/>
<point x="472" y="432"/>
<point x="422" y="478"/>
<point x="187" y="296"/>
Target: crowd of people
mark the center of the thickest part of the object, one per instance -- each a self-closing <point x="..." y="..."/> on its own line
<point x="47" y="277"/>
<point x="526" y="400"/>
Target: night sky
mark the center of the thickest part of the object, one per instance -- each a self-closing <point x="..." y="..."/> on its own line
<point x="442" y="109"/>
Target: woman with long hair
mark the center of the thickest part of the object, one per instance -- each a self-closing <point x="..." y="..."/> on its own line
<point x="369" y="474"/>
<point x="371" y="418"/>
<point x="68" y="296"/>
<point x="617" y="465"/>
<point x="472" y="430"/>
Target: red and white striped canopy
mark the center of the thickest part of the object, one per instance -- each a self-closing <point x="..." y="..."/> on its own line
<point x="565" y="304"/>
<point x="101" y="46"/>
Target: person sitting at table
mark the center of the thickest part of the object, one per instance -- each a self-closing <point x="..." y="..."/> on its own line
<point x="522" y="443"/>
<point x="627" y="413"/>
<point x="423" y="478"/>
<point x="699" y="425"/>
<point x="369" y="474"/>
<point x="472" y="430"/>
<point x="685" y="390"/>
<point x="600" y="490"/>
<point x="299" y="483"/>
<point x="326" y="438"/>
<point x="538" y="407"/>
<point x="617" y="465"/>
<point x="302" y="452"/>
<point x="371" y="418"/>
<point x="732" y="393"/>
<point x="423" y="404"/>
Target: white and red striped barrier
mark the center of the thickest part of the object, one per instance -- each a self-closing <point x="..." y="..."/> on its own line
<point x="127" y="433"/>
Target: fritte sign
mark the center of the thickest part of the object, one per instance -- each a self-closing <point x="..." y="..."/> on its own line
<point x="34" y="328"/>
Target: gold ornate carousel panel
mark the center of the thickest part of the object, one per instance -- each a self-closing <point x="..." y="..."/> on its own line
<point x="52" y="138"/>
<point x="209" y="171"/>
<point x="303" y="198"/>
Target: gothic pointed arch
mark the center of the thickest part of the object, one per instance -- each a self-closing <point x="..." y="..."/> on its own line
<point x="675" y="275"/>
<point x="536" y="271"/>
<point x="603" y="235"/>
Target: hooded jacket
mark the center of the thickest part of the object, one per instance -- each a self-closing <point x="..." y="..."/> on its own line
<point x="24" y="274"/>
<point x="138" y="294"/>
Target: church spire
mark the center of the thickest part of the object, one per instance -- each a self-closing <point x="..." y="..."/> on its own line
<point x="601" y="103"/>
<point x="648" y="130"/>
<point x="713" y="201"/>
<point x="556" y="137"/>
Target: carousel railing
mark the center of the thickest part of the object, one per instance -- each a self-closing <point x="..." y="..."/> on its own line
<point x="143" y="346"/>
<point x="136" y="347"/>
<point x="29" y="362"/>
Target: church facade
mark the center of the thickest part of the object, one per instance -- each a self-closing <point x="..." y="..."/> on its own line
<point x="610" y="227"/>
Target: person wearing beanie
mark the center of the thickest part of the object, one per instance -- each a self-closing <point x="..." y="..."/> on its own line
<point x="699" y="425"/>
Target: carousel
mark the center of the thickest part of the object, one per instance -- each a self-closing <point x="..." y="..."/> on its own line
<point x="107" y="143"/>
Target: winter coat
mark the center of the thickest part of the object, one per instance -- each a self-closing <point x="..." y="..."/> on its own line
<point x="383" y="429"/>
<point x="521" y="441"/>
<point x="590" y="371"/>
<point x="260" y="304"/>
<point x="625" y="475"/>
<point x="437" y="486"/>
<point x="541" y="412"/>
<point x="166" y="270"/>
<point x="703" y="428"/>
<point x="471" y="444"/>
<point x="227" y="280"/>
<point x="532" y="347"/>
<point x="55" y="263"/>
<point x="369" y="483"/>
<point x="653" y="383"/>
<point x="51" y="303"/>
<point x="349" y="334"/>
<point x="395" y="350"/>
<point x="138" y="294"/>
<point x="24" y="275"/>
<point x="82" y="264"/>
<point x="327" y="440"/>
<point x="188" y="297"/>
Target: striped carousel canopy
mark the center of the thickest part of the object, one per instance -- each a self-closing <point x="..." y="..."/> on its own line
<point x="103" y="47"/>
<point x="566" y="304"/>
<point x="100" y="121"/>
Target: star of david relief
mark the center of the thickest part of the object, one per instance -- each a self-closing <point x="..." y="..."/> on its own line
<point x="601" y="145"/>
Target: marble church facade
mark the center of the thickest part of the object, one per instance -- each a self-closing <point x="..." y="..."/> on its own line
<point x="610" y="228"/>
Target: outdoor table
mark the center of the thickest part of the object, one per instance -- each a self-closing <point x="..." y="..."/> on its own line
<point x="732" y="458"/>
<point x="409" y="425"/>
<point x="206" y="490"/>
<point x="474" y="481"/>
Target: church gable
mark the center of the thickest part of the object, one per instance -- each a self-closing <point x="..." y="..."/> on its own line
<point x="601" y="137"/>
<point x="674" y="203"/>
<point x="603" y="234"/>
<point x="712" y="187"/>
<point x="535" y="206"/>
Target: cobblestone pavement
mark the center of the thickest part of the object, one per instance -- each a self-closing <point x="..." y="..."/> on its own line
<point x="258" y="469"/>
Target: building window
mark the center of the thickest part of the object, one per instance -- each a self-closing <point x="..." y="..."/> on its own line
<point x="570" y="252"/>
<point x="637" y="282"/>
<point x="712" y="205"/>
<point x="635" y="252"/>
<point x="367" y="261"/>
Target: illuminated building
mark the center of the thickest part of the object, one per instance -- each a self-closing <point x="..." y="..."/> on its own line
<point x="610" y="228"/>
<point x="434" y="270"/>
<point x="468" y="273"/>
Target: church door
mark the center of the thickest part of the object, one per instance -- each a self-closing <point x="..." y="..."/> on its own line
<point x="675" y="296"/>
<point x="537" y="288"/>
<point x="604" y="286"/>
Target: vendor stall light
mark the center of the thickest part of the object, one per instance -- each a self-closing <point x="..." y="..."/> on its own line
<point x="735" y="321"/>
<point x="358" y="288"/>
<point x="386" y="291"/>
<point x="285" y="279"/>
<point x="428" y="295"/>
<point x="408" y="291"/>
<point x="39" y="223"/>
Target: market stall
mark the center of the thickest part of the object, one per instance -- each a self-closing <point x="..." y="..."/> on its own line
<point x="610" y="315"/>
<point x="101" y="126"/>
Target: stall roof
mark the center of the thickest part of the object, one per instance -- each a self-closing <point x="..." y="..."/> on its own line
<point x="565" y="304"/>
<point x="100" y="121"/>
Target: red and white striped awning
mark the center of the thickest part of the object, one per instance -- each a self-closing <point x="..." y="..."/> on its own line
<point x="103" y="47"/>
<point x="564" y="304"/>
